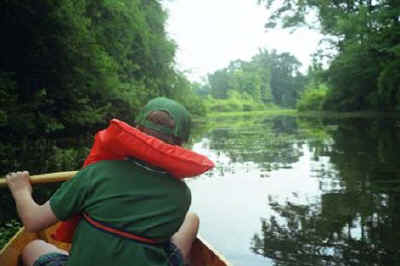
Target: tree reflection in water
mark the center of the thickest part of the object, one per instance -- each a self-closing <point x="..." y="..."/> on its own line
<point x="353" y="224"/>
<point x="270" y="143"/>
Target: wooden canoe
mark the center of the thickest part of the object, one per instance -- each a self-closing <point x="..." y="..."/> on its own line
<point x="202" y="253"/>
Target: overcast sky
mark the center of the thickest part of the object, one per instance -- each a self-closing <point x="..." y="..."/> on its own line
<point x="211" y="33"/>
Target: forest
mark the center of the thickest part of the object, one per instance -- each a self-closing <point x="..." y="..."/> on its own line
<point x="268" y="80"/>
<point x="363" y="37"/>
<point x="74" y="64"/>
<point x="358" y="68"/>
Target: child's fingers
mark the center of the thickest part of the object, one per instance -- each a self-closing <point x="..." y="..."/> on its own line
<point x="10" y="176"/>
<point x="17" y="177"/>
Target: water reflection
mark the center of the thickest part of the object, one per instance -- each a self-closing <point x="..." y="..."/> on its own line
<point x="355" y="221"/>
<point x="270" y="143"/>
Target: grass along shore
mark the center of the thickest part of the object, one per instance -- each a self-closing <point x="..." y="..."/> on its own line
<point x="253" y="113"/>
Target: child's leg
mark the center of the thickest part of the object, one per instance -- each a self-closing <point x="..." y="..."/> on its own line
<point x="186" y="234"/>
<point x="37" y="248"/>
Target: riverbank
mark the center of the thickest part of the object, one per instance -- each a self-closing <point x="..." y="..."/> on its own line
<point x="295" y="112"/>
<point x="271" y="112"/>
<point x="251" y="113"/>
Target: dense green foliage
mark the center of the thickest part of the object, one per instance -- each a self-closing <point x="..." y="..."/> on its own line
<point x="7" y="231"/>
<point x="68" y="65"/>
<point x="314" y="95"/>
<point x="287" y="83"/>
<point x="268" y="79"/>
<point x="365" y="72"/>
<point x="233" y="102"/>
<point x="312" y="99"/>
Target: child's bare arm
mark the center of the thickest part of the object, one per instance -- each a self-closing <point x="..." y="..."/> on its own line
<point x="34" y="217"/>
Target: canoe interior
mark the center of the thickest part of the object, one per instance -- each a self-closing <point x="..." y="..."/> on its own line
<point x="202" y="253"/>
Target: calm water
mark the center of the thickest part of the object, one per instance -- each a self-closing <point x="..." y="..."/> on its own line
<point x="285" y="191"/>
<point x="302" y="191"/>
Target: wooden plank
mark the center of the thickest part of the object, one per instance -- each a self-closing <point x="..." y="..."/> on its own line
<point x="203" y="254"/>
<point x="9" y="254"/>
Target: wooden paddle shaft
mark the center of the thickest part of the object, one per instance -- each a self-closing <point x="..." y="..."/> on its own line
<point x="46" y="178"/>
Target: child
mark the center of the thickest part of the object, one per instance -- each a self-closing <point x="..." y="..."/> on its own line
<point x="129" y="196"/>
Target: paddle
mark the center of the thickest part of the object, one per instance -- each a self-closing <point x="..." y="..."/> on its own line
<point x="46" y="178"/>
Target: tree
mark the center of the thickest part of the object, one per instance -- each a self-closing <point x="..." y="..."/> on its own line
<point x="262" y="64"/>
<point x="268" y="78"/>
<point x="286" y="81"/>
<point x="72" y="65"/>
<point x="220" y="84"/>
<point x="366" y="36"/>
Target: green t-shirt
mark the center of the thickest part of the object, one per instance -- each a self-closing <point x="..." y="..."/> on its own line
<point x="131" y="198"/>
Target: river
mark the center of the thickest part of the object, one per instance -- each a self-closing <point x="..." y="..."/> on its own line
<point x="286" y="190"/>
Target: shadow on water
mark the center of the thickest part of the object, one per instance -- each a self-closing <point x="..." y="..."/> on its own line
<point x="355" y="221"/>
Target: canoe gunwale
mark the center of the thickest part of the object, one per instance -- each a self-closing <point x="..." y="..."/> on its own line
<point x="203" y="254"/>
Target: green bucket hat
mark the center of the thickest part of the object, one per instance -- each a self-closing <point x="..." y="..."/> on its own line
<point x="178" y="112"/>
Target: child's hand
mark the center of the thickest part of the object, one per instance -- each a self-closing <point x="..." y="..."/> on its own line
<point x="19" y="182"/>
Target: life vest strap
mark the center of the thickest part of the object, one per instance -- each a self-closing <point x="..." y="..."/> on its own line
<point x="120" y="233"/>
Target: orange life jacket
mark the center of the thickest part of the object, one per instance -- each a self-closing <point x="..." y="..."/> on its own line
<point x="119" y="140"/>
